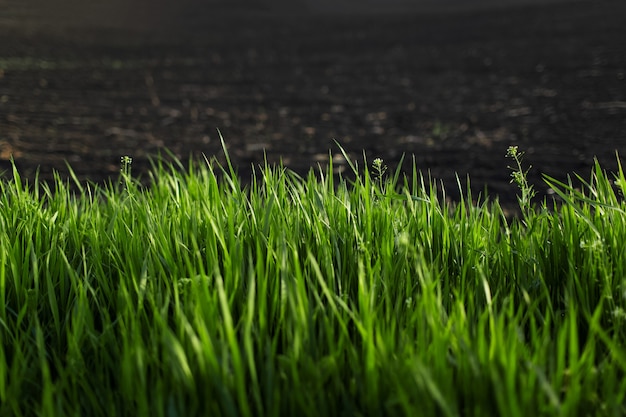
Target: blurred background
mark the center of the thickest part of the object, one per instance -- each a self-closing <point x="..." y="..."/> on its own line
<point x="144" y="13"/>
<point x="449" y="84"/>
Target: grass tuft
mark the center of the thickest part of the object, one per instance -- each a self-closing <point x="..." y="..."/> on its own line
<point x="310" y="296"/>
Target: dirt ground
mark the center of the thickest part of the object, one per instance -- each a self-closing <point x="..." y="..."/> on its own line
<point x="452" y="91"/>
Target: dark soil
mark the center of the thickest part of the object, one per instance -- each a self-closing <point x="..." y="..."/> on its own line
<point x="452" y="91"/>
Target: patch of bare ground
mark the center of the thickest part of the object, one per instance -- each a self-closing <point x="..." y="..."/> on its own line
<point x="451" y="91"/>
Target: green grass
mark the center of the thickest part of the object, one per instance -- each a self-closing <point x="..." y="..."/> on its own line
<point x="309" y="296"/>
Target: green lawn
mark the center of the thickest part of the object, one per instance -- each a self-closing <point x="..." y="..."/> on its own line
<point x="310" y="296"/>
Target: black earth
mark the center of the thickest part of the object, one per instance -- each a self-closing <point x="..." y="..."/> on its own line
<point x="450" y="91"/>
